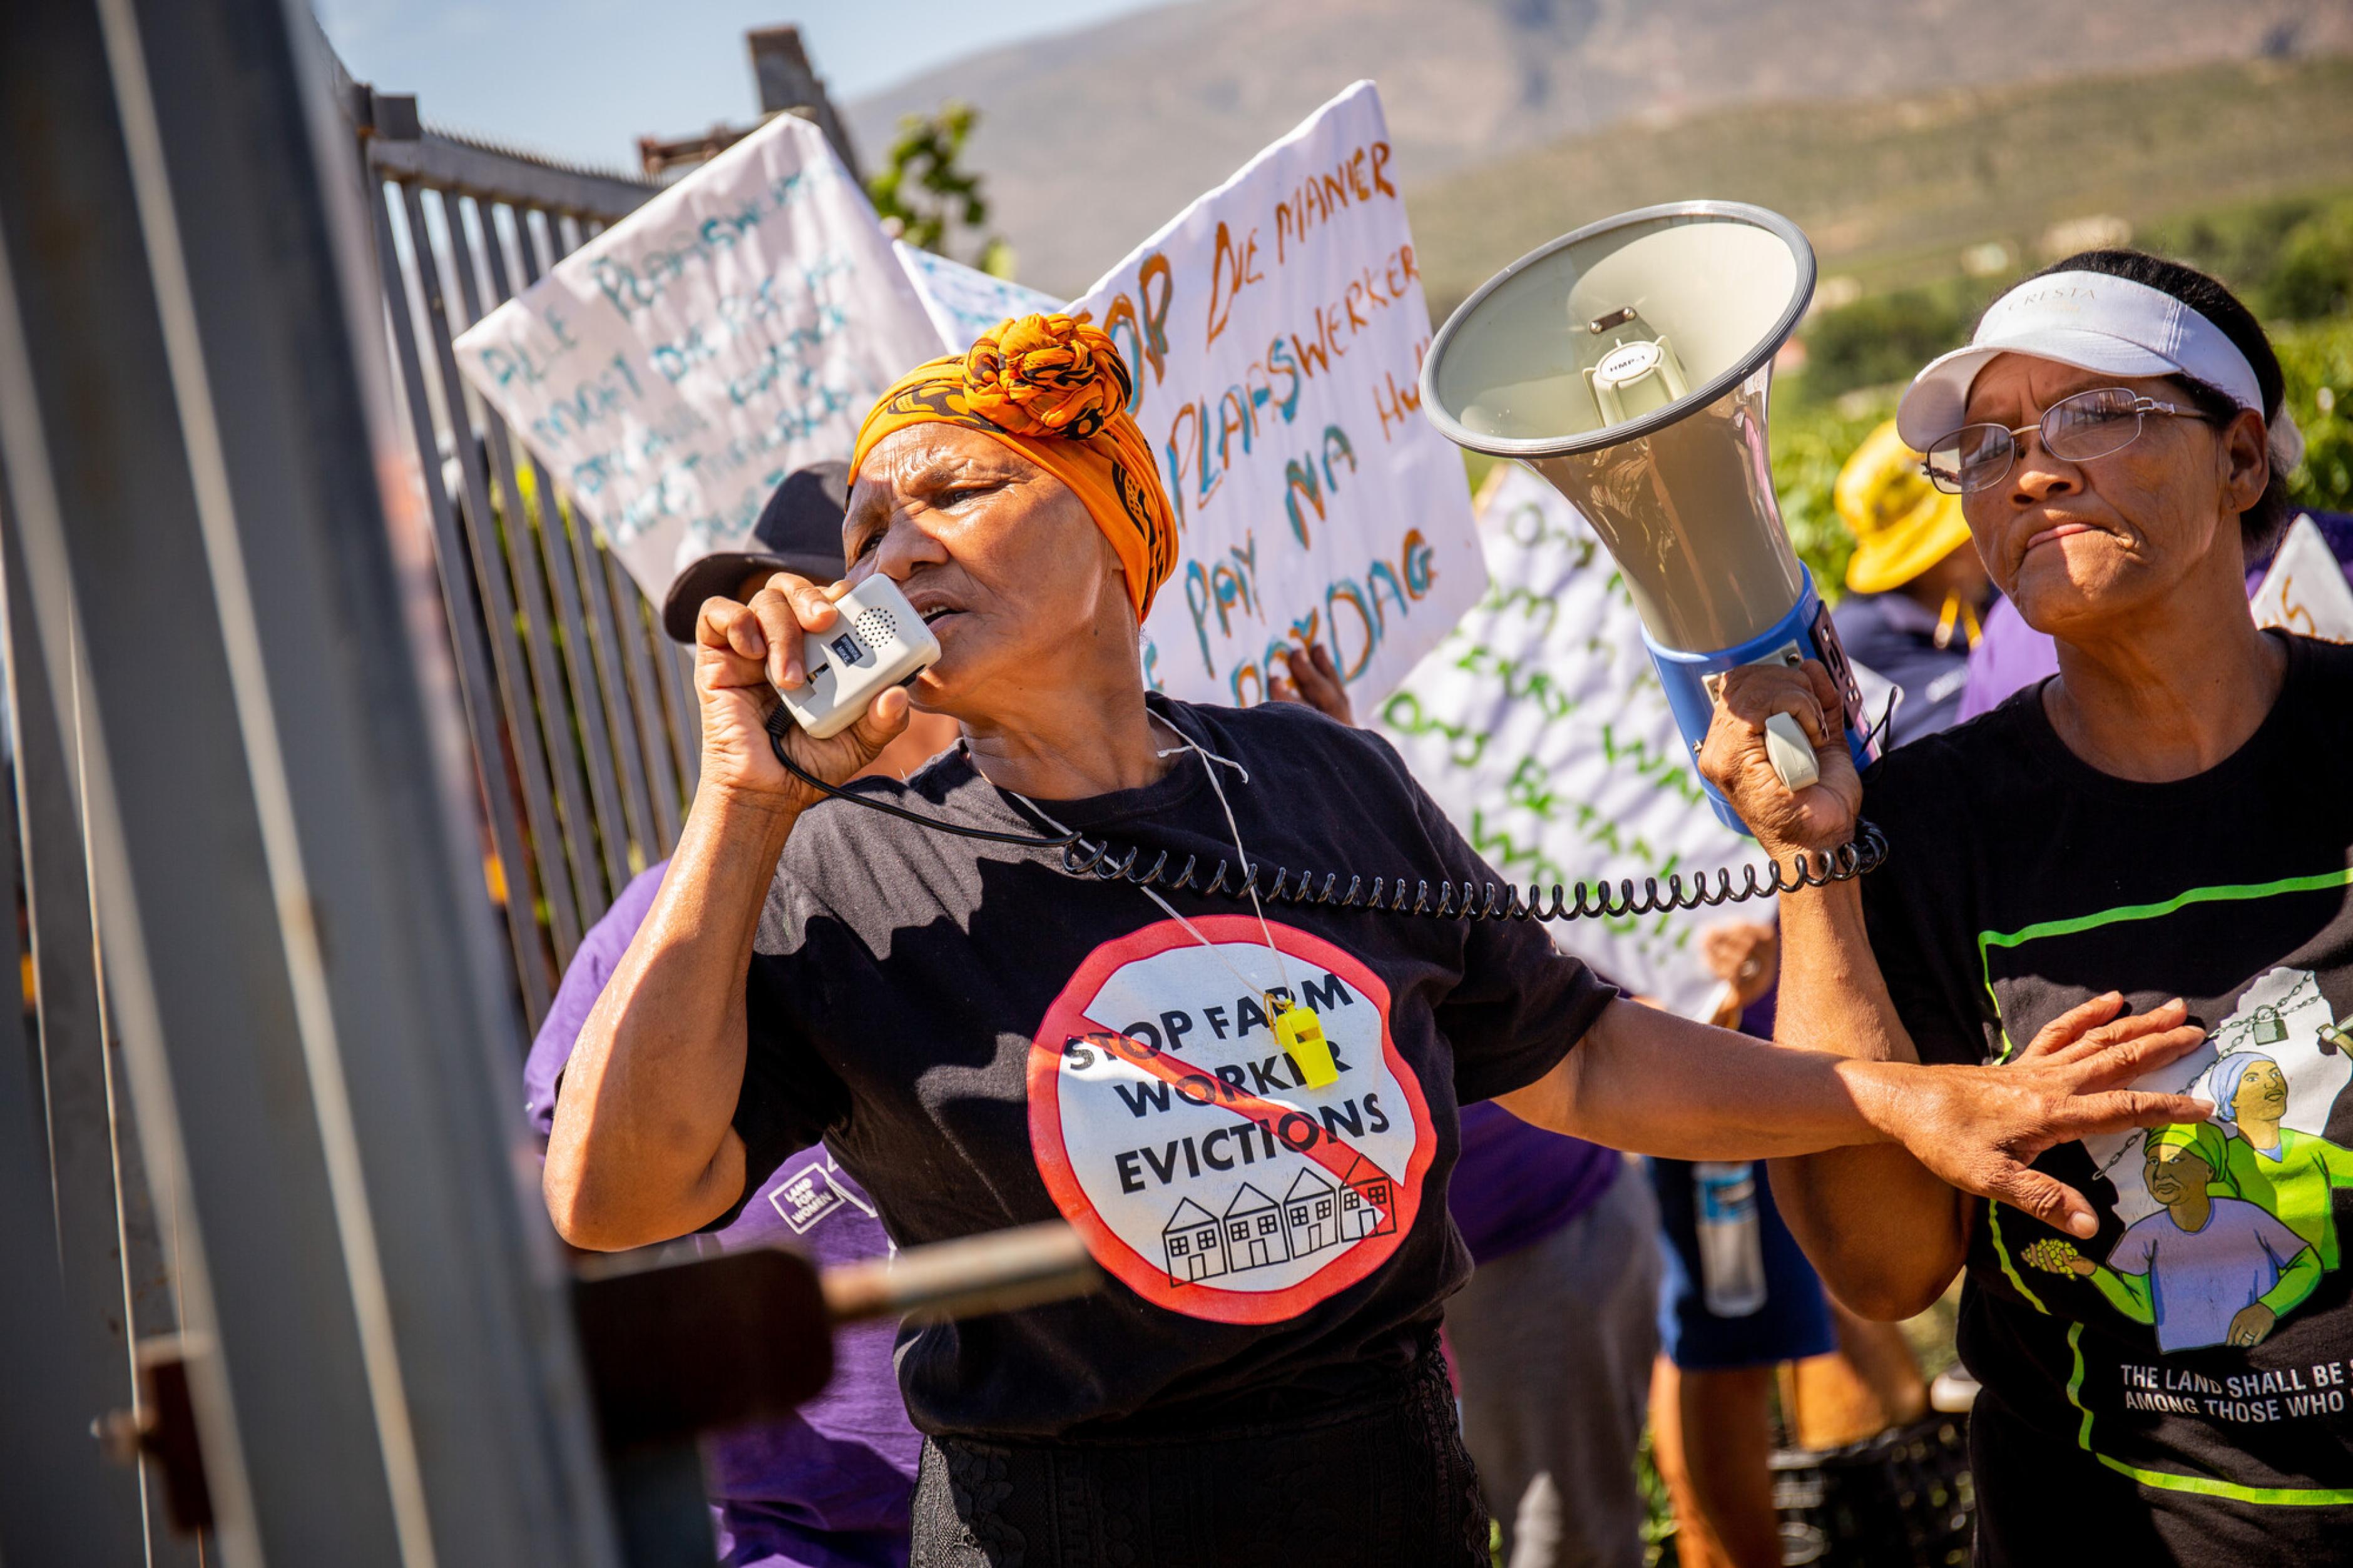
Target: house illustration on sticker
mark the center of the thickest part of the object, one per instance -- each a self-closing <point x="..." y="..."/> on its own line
<point x="1367" y="1201"/>
<point x="1254" y="1231"/>
<point x="1192" y="1245"/>
<point x="1310" y="1217"/>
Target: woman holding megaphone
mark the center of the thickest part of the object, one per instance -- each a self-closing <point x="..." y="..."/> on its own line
<point x="1247" y="1110"/>
<point x="2151" y="841"/>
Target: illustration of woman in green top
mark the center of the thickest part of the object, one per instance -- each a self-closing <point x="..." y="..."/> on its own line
<point x="2291" y="1173"/>
<point x="2205" y="1269"/>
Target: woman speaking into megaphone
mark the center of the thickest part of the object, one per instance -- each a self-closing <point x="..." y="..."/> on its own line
<point x="2152" y="840"/>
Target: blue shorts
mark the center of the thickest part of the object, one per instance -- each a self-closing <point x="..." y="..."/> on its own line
<point x="1793" y="1323"/>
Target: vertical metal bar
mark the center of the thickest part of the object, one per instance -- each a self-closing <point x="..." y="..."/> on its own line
<point x="459" y="604"/>
<point x="604" y="623"/>
<point x="686" y="712"/>
<point x="76" y="1088"/>
<point x="58" y="1506"/>
<point x="498" y="596"/>
<point x="284" y="857"/>
<point x="579" y="660"/>
<point x="576" y="831"/>
<point x="646" y="702"/>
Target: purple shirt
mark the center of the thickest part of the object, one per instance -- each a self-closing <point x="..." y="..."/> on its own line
<point x="2014" y="656"/>
<point x="2199" y="1279"/>
<point x="1516" y="1184"/>
<point x="827" y="1487"/>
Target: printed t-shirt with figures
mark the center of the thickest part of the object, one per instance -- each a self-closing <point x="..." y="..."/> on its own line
<point x="2180" y="1382"/>
<point x="985" y="1041"/>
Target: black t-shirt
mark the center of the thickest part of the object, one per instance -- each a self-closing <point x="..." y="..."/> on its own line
<point x="985" y="1041"/>
<point x="2123" y="1418"/>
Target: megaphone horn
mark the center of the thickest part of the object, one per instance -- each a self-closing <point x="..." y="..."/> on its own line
<point x="1628" y="365"/>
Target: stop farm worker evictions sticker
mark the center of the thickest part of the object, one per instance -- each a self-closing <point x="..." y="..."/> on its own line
<point x="1186" y="1146"/>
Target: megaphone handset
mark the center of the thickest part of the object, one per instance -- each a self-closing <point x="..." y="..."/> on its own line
<point x="886" y="645"/>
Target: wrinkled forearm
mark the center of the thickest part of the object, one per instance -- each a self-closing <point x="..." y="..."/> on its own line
<point x="1886" y="1235"/>
<point x="1652" y="1082"/>
<point x="643" y="1148"/>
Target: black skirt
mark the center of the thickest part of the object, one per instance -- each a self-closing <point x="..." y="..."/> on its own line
<point x="1385" y="1483"/>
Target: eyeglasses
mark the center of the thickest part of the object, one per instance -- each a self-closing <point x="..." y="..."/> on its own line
<point x="2088" y="424"/>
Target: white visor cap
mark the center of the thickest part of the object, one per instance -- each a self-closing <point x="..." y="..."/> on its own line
<point x="2087" y="319"/>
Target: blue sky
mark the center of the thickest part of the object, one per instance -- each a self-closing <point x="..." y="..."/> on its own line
<point x="585" y="79"/>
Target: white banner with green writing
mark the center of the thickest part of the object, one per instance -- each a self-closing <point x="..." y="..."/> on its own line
<point x="1540" y="728"/>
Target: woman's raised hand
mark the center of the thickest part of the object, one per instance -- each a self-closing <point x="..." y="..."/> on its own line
<point x="743" y="653"/>
<point x="1735" y="760"/>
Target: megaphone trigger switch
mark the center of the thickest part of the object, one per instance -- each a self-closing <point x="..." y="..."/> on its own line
<point x="1791" y="755"/>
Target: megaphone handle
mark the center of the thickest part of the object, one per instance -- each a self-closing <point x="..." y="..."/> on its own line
<point x="1791" y="755"/>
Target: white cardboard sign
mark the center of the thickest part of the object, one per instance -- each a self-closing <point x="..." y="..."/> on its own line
<point x="1276" y="329"/>
<point x="673" y="370"/>
<point x="1540" y="728"/>
<point x="2306" y="591"/>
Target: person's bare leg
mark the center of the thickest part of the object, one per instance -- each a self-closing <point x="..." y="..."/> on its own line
<point x="1883" y="1358"/>
<point x="1710" y="1436"/>
<point x="1869" y="1384"/>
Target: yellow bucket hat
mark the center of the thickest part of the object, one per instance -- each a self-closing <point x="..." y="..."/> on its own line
<point x="1902" y="524"/>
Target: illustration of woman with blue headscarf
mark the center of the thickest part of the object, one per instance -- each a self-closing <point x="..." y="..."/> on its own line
<point x="2291" y="1173"/>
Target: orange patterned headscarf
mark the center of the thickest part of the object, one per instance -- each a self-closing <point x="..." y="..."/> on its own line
<point x="1055" y="391"/>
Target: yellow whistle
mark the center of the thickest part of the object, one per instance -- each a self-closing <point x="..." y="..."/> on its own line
<point x="1301" y="1033"/>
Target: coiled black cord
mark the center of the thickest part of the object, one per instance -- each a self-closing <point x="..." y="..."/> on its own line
<point x="1454" y="901"/>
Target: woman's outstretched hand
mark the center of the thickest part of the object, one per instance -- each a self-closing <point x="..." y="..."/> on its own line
<point x="743" y="654"/>
<point x="1982" y="1128"/>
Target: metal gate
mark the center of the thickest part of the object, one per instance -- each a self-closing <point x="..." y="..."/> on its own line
<point x="580" y="710"/>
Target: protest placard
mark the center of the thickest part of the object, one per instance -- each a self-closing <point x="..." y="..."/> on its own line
<point x="2306" y="591"/>
<point x="1541" y="729"/>
<point x="1276" y="329"/>
<point x="964" y="301"/>
<point x="674" y="369"/>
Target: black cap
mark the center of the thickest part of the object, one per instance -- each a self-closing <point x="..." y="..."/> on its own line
<point x="800" y="531"/>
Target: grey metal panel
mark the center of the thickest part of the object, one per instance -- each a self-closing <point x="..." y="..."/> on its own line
<point x="577" y="830"/>
<point x="285" y="864"/>
<point x="451" y="560"/>
<point x="79" y="330"/>
<point x="450" y="163"/>
<point x="522" y="726"/>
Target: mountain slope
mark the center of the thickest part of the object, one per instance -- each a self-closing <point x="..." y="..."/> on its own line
<point x="1891" y="191"/>
<point x="1092" y="139"/>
